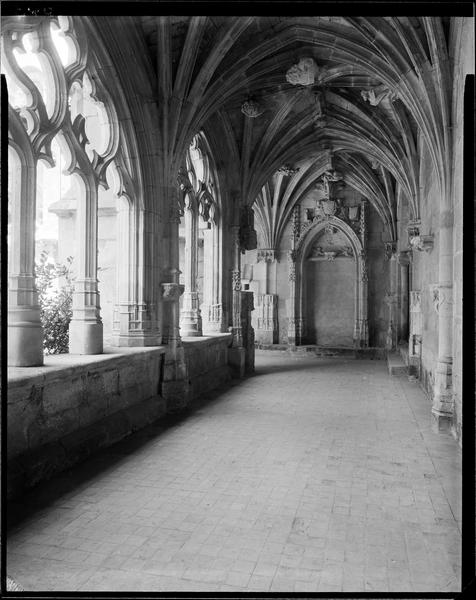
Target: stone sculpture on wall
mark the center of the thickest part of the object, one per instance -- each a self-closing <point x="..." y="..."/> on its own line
<point x="251" y="109"/>
<point x="415" y="324"/>
<point x="418" y="241"/>
<point x="376" y="95"/>
<point x="267" y="255"/>
<point x="305" y="72"/>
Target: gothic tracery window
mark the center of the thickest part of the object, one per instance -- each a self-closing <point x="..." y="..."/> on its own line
<point x="70" y="129"/>
<point x="200" y="308"/>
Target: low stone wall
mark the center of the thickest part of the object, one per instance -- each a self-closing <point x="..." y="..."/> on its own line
<point x="206" y="359"/>
<point x="60" y="413"/>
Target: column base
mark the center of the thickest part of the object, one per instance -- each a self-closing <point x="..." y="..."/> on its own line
<point x="25" y="345"/>
<point x="190" y="324"/>
<point x="237" y="361"/>
<point x="85" y="337"/>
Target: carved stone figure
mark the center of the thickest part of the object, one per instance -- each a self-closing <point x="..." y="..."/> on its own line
<point x="376" y="95"/>
<point x="251" y="109"/>
<point x="266" y="255"/>
<point x="172" y="291"/>
<point x="305" y="72"/>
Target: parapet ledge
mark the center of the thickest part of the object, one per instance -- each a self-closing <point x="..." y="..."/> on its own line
<point x="59" y="364"/>
<point x="207" y="340"/>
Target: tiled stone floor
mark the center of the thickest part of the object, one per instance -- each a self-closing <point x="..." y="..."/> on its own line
<point x="312" y="475"/>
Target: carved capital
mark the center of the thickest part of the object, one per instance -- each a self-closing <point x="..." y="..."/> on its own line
<point x="390" y="249"/>
<point x="172" y="291"/>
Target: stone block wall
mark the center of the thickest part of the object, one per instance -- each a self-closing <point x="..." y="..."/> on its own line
<point x="61" y="413"/>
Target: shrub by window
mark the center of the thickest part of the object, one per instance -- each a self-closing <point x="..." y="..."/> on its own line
<point x="55" y="294"/>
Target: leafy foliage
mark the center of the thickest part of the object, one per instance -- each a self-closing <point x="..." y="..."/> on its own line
<point x="55" y="302"/>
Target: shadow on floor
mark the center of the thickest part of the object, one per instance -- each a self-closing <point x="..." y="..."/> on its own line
<point x="51" y="491"/>
<point x="48" y="492"/>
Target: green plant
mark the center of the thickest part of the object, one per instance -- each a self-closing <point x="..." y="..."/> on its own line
<point x="55" y="302"/>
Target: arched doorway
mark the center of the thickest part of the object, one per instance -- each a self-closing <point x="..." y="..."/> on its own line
<point x="329" y="290"/>
<point x="331" y="286"/>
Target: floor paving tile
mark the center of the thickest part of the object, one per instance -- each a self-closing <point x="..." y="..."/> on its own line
<point x="312" y="475"/>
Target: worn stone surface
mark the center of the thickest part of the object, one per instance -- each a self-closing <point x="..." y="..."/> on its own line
<point x="61" y="413"/>
<point x="314" y="475"/>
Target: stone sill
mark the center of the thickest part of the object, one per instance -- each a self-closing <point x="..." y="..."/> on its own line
<point x="58" y="364"/>
<point x="206" y="340"/>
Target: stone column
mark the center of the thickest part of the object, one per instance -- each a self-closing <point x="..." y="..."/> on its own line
<point x="247" y="330"/>
<point x="443" y="408"/>
<point x="190" y="319"/>
<point x="363" y="333"/>
<point x="171" y="327"/>
<point x="25" y="334"/>
<point x="174" y="389"/>
<point x="267" y="318"/>
<point x="415" y="327"/>
<point x="363" y="326"/>
<point x="293" y="330"/>
<point x="236" y="354"/>
<point x="391" y="296"/>
<point x="85" y="329"/>
<point x="212" y="315"/>
<point x="404" y="262"/>
<point x="136" y="311"/>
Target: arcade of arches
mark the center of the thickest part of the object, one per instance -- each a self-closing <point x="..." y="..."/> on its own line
<point x="205" y="186"/>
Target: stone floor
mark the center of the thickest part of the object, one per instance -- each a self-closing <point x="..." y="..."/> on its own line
<point x="312" y="475"/>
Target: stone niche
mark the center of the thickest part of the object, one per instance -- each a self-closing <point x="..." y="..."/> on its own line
<point x="329" y="291"/>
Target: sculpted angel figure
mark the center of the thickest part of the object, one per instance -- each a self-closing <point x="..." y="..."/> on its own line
<point x="376" y="95"/>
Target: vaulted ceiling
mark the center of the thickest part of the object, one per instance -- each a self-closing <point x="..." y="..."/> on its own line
<point x="206" y="68"/>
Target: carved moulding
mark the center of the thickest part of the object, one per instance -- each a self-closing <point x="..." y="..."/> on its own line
<point x="172" y="291"/>
<point x="319" y="253"/>
<point x="266" y="255"/>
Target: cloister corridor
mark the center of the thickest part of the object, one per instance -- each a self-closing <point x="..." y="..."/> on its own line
<point x="313" y="474"/>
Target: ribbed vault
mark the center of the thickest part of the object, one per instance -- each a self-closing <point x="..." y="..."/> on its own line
<point x="207" y="67"/>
